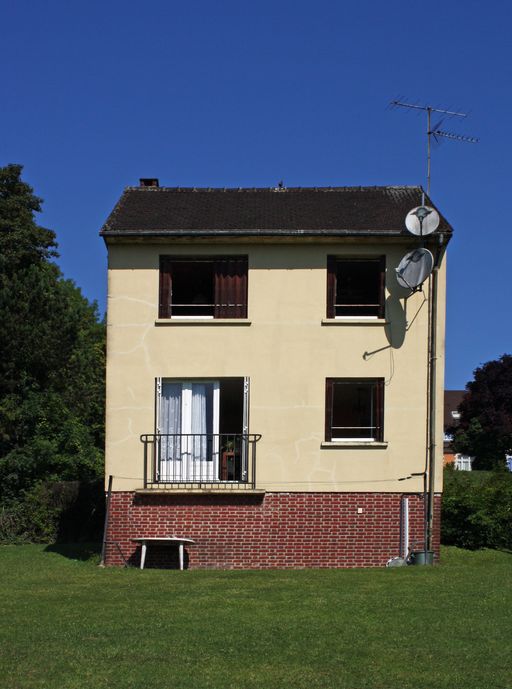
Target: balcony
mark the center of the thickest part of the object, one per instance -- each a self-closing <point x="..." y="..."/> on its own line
<point x="202" y="461"/>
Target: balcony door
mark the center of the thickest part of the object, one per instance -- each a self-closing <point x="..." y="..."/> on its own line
<point x="188" y="421"/>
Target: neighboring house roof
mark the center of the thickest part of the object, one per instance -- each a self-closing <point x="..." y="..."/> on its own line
<point x="331" y="211"/>
<point x="452" y="399"/>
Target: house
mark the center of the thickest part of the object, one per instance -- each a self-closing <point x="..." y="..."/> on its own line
<point x="267" y="377"/>
<point x="452" y="400"/>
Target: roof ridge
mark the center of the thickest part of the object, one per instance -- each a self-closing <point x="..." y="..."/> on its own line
<point x="274" y="189"/>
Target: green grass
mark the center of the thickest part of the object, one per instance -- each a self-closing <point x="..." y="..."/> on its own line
<point x="67" y="624"/>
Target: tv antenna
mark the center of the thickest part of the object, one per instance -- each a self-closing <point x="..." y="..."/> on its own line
<point x="435" y="130"/>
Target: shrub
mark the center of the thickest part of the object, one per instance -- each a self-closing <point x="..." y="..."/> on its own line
<point x="12" y="523"/>
<point x="477" y="509"/>
<point x="60" y="511"/>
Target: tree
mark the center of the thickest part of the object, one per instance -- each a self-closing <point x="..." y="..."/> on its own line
<point x="52" y="355"/>
<point x="485" y="429"/>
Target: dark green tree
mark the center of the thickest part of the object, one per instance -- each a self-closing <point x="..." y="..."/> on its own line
<point x="485" y="429"/>
<point x="52" y="355"/>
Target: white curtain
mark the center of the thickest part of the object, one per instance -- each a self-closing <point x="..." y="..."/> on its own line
<point x="170" y="423"/>
<point x="199" y="421"/>
<point x="186" y="424"/>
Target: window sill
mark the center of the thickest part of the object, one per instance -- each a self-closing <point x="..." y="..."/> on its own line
<point x="353" y="444"/>
<point x="202" y="321"/>
<point x="354" y="321"/>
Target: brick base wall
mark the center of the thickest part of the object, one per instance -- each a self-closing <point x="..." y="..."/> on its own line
<point x="281" y="530"/>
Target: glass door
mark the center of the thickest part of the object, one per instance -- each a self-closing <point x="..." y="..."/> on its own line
<point x="188" y="425"/>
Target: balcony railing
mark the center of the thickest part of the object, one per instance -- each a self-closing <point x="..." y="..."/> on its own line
<point x="198" y="460"/>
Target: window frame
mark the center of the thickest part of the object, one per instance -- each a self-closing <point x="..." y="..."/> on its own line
<point x="463" y="462"/>
<point x="333" y="262"/>
<point x="230" y="286"/>
<point x="201" y="457"/>
<point x="377" y="411"/>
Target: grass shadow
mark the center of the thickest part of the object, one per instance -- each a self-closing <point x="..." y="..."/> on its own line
<point x="76" y="551"/>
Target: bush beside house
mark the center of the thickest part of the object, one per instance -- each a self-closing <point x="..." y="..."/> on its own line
<point x="477" y="509"/>
<point x="55" y="511"/>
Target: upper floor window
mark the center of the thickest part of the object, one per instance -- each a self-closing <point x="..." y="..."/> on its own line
<point x="203" y="287"/>
<point x="354" y="409"/>
<point x="355" y="287"/>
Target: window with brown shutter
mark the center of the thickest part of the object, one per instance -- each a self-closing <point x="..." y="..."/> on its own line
<point x="354" y="409"/>
<point x="355" y="287"/>
<point x="203" y="287"/>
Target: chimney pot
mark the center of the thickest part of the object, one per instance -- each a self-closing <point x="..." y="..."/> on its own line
<point x="149" y="182"/>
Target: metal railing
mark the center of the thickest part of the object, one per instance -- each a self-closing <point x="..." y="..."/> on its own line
<point x="226" y="460"/>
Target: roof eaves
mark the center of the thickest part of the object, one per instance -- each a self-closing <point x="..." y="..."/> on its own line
<point x="252" y="232"/>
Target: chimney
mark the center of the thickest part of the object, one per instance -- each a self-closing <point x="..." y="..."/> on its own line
<point x="149" y="182"/>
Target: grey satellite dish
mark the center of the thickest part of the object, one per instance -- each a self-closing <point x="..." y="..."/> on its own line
<point x="422" y="220"/>
<point x="414" y="268"/>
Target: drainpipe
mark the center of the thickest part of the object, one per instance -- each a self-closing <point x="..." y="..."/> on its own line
<point x="405" y="527"/>
<point x="432" y="401"/>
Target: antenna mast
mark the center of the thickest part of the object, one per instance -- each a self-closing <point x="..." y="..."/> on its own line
<point x="435" y="131"/>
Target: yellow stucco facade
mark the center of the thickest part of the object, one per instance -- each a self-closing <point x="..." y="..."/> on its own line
<point x="287" y="348"/>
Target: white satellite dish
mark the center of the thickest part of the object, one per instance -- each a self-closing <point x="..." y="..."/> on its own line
<point x="422" y="220"/>
<point x="414" y="268"/>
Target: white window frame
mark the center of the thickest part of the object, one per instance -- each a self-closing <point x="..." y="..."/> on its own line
<point x="210" y="469"/>
<point x="463" y="462"/>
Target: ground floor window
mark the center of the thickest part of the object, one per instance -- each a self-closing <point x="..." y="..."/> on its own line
<point x="354" y="409"/>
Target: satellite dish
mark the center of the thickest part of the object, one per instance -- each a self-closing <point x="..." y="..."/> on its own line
<point x="414" y="268"/>
<point x="422" y="220"/>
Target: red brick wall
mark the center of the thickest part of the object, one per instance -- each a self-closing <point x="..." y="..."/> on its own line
<point x="284" y="530"/>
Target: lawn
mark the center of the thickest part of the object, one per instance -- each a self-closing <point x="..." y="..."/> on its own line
<point x="66" y="624"/>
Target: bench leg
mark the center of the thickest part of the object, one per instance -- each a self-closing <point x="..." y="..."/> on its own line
<point x="143" y="555"/>
<point x="181" y="555"/>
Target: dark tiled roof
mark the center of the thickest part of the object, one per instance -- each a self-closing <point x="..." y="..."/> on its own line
<point x="315" y="211"/>
<point x="452" y="399"/>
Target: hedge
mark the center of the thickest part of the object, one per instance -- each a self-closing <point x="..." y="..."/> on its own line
<point x="55" y="512"/>
<point x="477" y="509"/>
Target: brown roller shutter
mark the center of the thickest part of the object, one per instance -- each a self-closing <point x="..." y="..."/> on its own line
<point x="165" y="291"/>
<point x="382" y="287"/>
<point x="231" y="287"/>
<point x="379" y="409"/>
<point x="328" y="408"/>
<point x="331" y="286"/>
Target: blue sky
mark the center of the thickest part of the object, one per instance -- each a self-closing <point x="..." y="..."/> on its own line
<point x="96" y="95"/>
